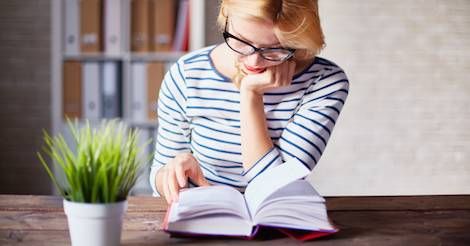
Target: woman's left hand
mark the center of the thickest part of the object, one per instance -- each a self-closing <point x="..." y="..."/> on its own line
<point x="274" y="77"/>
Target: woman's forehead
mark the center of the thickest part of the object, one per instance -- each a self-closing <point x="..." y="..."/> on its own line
<point x="259" y="32"/>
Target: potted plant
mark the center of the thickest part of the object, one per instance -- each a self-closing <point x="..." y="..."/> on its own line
<point x="94" y="176"/>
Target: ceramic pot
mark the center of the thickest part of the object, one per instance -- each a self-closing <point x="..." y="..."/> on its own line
<point x="97" y="224"/>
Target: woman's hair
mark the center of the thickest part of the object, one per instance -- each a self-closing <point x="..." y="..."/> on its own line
<point x="296" y="22"/>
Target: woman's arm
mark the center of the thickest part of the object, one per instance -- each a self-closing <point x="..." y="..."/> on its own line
<point x="255" y="139"/>
<point x="305" y="137"/>
<point x="173" y="163"/>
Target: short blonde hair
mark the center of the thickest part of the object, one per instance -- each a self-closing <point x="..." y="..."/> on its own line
<point x="296" y="22"/>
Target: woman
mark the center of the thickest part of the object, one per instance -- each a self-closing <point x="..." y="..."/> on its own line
<point x="229" y="112"/>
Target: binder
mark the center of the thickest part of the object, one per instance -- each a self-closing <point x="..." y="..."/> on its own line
<point x="71" y="27"/>
<point x="71" y="90"/>
<point x="140" y="25"/>
<point x="90" y="26"/>
<point x="168" y="66"/>
<point x="91" y="91"/>
<point x="162" y="21"/>
<point x="138" y="92"/>
<point x="185" y="45"/>
<point x="181" y="41"/>
<point x="155" y="73"/>
<point x="112" y="26"/>
<point x="111" y="89"/>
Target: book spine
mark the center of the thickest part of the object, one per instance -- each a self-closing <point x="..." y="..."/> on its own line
<point x="90" y="26"/>
<point x="181" y="22"/>
<point x="72" y="91"/>
<point x="162" y="18"/>
<point x="91" y="91"/>
<point x="72" y="27"/>
<point x="139" y="93"/>
<point x="185" y="44"/>
<point x="112" y="27"/>
<point x="140" y="25"/>
<point x="111" y="90"/>
<point x="155" y="72"/>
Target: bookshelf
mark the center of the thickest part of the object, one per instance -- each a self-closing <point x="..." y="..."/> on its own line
<point x="125" y="59"/>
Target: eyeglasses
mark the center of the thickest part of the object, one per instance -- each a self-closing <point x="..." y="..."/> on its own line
<point x="244" y="48"/>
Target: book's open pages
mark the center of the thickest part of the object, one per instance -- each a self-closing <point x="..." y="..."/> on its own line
<point x="217" y="210"/>
<point x="279" y="198"/>
<point x="295" y="206"/>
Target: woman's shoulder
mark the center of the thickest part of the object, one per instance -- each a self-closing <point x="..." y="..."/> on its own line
<point x="196" y="55"/>
<point x="195" y="58"/>
<point x="326" y="65"/>
<point x="319" y="67"/>
<point x="328" y="73"/>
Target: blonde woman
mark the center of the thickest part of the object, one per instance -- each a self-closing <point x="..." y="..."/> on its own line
<point x="231" y="111"/>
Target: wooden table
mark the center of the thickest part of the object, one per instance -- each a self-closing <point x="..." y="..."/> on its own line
<point x="426" y="220"/>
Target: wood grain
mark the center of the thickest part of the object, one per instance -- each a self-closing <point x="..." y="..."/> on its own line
<point x="430" y="220"/>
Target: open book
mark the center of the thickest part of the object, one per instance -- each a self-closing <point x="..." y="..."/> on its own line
<point x="278" y="198"/>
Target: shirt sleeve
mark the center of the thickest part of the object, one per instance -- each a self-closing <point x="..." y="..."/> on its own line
<point x="173" y="128"/>
<point x="307" y="133"/>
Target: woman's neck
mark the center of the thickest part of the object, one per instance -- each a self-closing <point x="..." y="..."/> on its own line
<point x="224" y="60"/>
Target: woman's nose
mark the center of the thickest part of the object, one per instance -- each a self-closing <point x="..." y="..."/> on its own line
<point x="254" y="60"/>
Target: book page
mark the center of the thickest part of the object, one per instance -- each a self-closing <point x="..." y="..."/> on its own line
<point x="299" y="190"/>
<point x="272" y="180"/>
<point x="207" y="201"/>
<point x="296" y="205"/>
<point x="215" y="225"/>
<point x="306" y="215"/>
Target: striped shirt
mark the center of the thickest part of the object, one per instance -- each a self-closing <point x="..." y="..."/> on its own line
<point x="199" y="113"/>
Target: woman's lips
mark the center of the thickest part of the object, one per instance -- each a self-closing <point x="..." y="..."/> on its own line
<point x="254" y="70"/>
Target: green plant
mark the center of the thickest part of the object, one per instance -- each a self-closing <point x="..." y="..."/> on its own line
<point x="104" y="166"/>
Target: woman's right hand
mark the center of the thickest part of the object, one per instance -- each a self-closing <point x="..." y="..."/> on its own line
<point x="172" y="177"/>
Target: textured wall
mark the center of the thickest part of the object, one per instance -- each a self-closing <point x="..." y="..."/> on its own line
<point x="406" y="126"/>
<point x="24" y="93"/>
<point x="405" y="129"/>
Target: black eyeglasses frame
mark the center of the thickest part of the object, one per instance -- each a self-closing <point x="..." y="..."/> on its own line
<point x="228" y="35"/>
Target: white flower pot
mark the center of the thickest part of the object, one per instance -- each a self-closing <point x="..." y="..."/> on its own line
<point x="95" y="224"/>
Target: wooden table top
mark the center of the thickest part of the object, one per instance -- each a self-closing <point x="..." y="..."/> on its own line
<point x="422" y="220"/>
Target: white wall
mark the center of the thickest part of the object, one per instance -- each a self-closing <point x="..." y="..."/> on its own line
<point x="405" y="129"/>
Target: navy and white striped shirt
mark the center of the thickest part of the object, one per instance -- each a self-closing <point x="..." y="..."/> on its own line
<point x="199" y="112"/>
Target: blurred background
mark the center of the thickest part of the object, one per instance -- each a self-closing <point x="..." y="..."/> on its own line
<point x="403" y="131"/>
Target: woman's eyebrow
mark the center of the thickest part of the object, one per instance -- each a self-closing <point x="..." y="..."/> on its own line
<point x="252" y="43"/>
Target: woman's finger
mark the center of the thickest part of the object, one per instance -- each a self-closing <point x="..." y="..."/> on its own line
<point x="181" y="176"/>
<point x="200" y="180"/>
<point x="166" y="191"/>
<point x="173" y="185"/>
<point x="283" y="71"/>
<point x="291" y="72"/>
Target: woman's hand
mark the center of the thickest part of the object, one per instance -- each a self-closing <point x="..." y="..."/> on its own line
<point x="171" y="178"/>
<point x="274" y="77"/>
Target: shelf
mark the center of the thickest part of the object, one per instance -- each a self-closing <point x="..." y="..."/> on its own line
<point x="126" y="59"/>
<point x="92" y="57"/>
<point x="131" y="57"/>
<point x="156" y="56"/>
<point x="150" y="125"/>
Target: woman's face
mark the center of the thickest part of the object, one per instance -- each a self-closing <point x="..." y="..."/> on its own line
<point x="257" y="33"/>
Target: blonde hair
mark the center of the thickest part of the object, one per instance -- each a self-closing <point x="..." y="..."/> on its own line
<point x="296" y="22"/>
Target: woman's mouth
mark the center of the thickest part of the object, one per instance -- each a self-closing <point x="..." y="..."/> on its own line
<point x="254" y="69"/>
